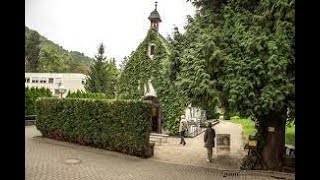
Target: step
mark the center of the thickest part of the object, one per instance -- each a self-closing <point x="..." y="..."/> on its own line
<point x="156" y="140"/>
<point x="159" y="136"/>
<point x="156" y="143"/>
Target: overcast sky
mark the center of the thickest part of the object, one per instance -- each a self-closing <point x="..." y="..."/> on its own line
<point x="80" y="25"/>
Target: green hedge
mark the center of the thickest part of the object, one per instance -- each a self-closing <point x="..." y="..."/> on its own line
<point x="31" y="95"/>
<point x="81" y="94"/>
<point x="117" y="125"/>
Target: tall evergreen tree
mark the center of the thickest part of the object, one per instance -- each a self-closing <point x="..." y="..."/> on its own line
<point x="124" y="62"/>
<point x="112" y="72"/>
<point x="97" y="80"/>
<point x="103" y="75"/>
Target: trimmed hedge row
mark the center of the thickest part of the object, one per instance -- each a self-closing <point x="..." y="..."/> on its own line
<point x="31" y="95"/>
<point x="81" y="94"/>
<point x="117" y="125"/>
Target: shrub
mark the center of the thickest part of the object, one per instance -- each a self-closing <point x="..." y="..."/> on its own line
<point x="117" y="125"/>
<point x="31" y="95"/>
<point x="81" y="94"/>
<point x="211" y="113"/>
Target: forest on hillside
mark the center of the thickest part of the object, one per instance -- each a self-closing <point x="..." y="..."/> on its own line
<point x="43" y="55"/>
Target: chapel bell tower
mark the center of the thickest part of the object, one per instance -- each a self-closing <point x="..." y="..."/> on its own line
<point x="155" y="18"/>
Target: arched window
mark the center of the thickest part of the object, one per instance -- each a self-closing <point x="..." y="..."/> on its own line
<point x="151" y="50"/>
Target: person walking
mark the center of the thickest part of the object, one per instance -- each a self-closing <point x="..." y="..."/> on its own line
<point x="209" y="136"/>
<point x="182" y="129"/>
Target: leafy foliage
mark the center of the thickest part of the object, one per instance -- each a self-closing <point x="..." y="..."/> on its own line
<point x="42" y="55"/>
<point x="246" y="50"/>
<point x="103" y="76"/>
<point x="119" y="125"/>
<point x="139" y="69"/>
<point x="52" y="61"/>
<point x="112" y="78"/>
<point x="31" y="95"/>
<point x="81" y="94"/>
<point x="243" y="52"/>
<point x="32" y="50"/>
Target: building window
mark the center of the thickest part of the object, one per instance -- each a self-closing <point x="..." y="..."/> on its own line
<point x="35" y="80"/>
<point x="50" y="80"/>
<point x="43" y="80"/>
<point x="27" y="80"/>
<point x="151" y="50"/>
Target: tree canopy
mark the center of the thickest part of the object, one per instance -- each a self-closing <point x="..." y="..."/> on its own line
<point x="241" y="52"/>
<point x="103" y="75"/>
<point x="43" y="55"/>
<point x="32" y="50"/>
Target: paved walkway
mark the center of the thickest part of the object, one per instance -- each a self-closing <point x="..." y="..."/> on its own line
<point x="194" y="153"/>
<point x="46" y="160"/>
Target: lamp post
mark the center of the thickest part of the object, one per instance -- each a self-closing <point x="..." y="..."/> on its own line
<point x="61" y="89"/>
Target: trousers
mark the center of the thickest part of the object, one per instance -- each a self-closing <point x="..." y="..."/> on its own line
<point x="182" y="141"/>
<point x="209" y="151"/>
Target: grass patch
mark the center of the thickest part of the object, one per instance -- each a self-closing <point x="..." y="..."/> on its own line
<point x="247" y="125"/>
<point x="249" y="129"/>
<point x="290" y="134"/>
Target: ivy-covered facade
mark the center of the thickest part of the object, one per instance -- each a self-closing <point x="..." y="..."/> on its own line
<point x="146" y="76"/>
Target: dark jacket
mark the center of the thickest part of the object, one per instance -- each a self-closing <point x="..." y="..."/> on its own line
<point x="209" y="136"/>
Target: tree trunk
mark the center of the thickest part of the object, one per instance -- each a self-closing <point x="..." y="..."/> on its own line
<point x="273" y="149"/>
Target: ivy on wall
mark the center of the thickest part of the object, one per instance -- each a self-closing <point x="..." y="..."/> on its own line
<point x="140" y="68"/>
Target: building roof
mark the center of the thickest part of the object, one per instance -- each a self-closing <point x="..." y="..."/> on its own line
<point x="155" y="15"/>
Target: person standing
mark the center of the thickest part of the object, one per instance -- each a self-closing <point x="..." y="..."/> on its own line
<point x="182" y="129"/>
<point x="209" y="136"/>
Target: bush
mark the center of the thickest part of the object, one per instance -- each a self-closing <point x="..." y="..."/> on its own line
<point x="81" y="94"/>
<point x="290" y="133"/>
<point x="31" y="95"/>
<point x="247" y="124"/>
<point x="117" y="125"/>
<point x="211" y="113"/>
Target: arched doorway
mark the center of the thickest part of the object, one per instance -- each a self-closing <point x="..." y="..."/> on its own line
<point x="156" y="118"/>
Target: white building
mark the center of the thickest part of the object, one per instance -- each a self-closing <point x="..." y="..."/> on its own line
<point x="70" y="81"/>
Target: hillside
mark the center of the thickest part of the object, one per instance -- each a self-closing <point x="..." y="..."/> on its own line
<point x="53" y="58"/>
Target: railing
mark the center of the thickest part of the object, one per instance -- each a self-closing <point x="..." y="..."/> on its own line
<point x="198" y="127"/>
